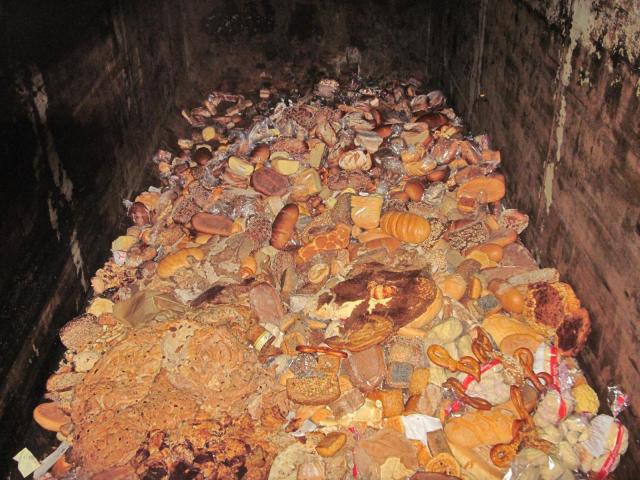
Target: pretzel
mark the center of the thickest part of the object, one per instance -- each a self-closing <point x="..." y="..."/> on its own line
<point x="440" y="356"/>
<point x="521" y="409"/>
<point x="458" y="389"/>
<point x="481" y="346"/>
<point x="503" y="454"/>
<point x="525" y="357"/>
<point x="322" y="350"/>
<point x="523" y="430"/>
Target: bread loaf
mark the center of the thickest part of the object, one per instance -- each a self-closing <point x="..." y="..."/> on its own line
<point x="392" y="401"/>
<point x="203" y="222"/>
<point x="269" y="182"/>
<point x="177" y="260"/>
<point x="284" y="225"/>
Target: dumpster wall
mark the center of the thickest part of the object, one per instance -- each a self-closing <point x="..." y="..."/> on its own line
<point x="85" y="89"/>
<point x="557" y="85"/>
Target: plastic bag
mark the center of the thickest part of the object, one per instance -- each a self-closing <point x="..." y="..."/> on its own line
<point x="532" y="464"/>
<point x="608" y="438"/>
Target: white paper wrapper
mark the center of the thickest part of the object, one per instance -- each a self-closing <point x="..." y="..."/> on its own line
<point x="417" y="426"/>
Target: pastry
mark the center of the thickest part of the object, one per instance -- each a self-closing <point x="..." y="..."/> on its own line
<point x="443" y="463"/>
<point x="365" y="211"/>
<point x="334" y="240"/>
<point x="407" y="227"/>
<point x="355" y="160"/>
<point x="548" y="303"/>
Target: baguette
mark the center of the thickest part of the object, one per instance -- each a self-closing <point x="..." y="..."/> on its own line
<point x="501" y="326"/>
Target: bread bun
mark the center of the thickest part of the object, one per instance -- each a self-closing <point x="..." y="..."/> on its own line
<point x="50" y="416"/>
<point x="483" y="189"/>
<point x="453" y="286"/>
<point x="414" y="190"/>
<point x="511" y="343"/>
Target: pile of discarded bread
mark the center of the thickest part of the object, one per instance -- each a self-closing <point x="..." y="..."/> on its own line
<point x="328" y="287"/>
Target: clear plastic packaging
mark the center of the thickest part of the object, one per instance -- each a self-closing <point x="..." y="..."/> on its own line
<point x="608" y="438"/>
<point x="532" y="464"/>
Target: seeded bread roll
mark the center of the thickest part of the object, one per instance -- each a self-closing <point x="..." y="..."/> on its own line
<point x="80" y="331"/>
<point x="313" y="390"/>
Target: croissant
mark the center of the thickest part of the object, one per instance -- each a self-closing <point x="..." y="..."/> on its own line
<point x="407" y="227"/>
<point x="355" y="160"/>
<point x="284" y="225"/>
